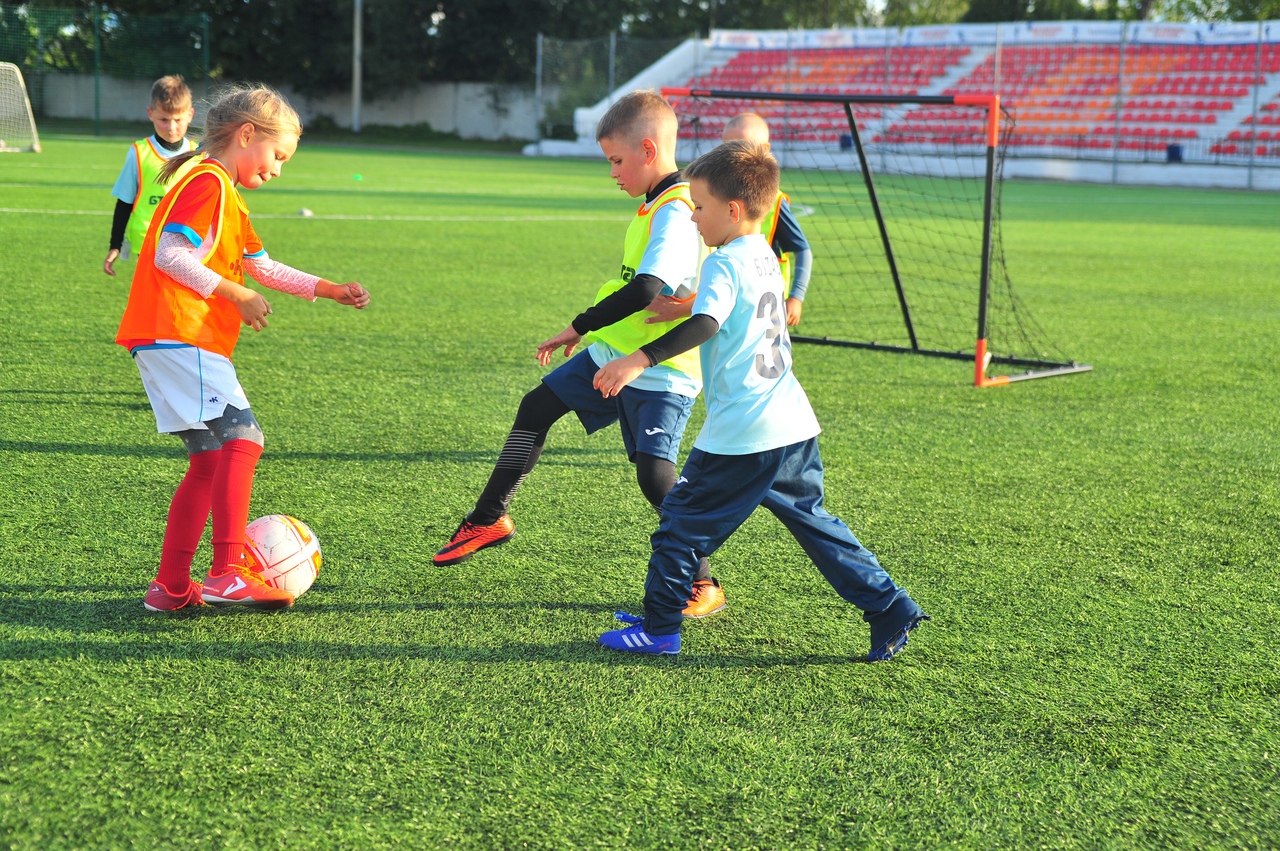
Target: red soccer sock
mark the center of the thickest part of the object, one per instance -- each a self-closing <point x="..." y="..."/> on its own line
<point x="188" y="514"/>
<point x="232" y="486"/>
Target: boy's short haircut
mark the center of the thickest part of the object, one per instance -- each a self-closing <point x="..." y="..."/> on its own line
<point x="643" y="114"/>
<point x="739" y="171"/>
<point x="170" y="94"/>
<point x="749" y="125"/>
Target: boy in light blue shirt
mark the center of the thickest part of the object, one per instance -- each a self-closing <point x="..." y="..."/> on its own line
<point x="758" y="445"/>
<point x="138" y="189"/>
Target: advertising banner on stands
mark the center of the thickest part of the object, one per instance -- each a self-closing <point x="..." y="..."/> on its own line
<point x="1029" y="32"/>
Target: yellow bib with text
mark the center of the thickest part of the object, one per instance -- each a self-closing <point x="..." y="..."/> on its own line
<point x="150" y="189"/>
<point x="629" y="334"/>
<point x="768" y="227"/>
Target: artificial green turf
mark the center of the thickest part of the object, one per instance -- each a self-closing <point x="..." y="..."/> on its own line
<point x="1098" y="551"/>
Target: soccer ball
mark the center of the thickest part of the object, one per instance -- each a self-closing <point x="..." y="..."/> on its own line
<point x="284" y="550"/>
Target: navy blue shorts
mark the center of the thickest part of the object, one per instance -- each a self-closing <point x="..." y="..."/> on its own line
<point x="652" y="422"/>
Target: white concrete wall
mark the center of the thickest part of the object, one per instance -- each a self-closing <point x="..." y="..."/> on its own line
<point x="472" y="110"/>
<point x="1146" y="174"/>
<point x="72" y="96"/>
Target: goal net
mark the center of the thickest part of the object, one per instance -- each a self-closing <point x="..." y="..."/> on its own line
<point x="899" y="199"/>
<point x="17" y="126"/>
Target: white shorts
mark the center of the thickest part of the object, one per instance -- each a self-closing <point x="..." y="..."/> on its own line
<point x="187" y="385"/>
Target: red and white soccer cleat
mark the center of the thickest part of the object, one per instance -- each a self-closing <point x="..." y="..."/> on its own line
<point x="472" y="538"/>
<point x="242" y="587"/>
<point x="161" y="599"/>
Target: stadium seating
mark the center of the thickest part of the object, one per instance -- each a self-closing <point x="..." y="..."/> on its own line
<point x="1172" y="94"/>
<point x="898" y="70"/>
<point x="1057" y="96"/>
<point x="1258" y="138"/>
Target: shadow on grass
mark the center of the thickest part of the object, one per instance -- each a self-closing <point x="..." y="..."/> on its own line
<point x="259" y="650"/>
<point x="176" y="451"/>
<point x="78" y="398"/>
<point x="145" y="636"/>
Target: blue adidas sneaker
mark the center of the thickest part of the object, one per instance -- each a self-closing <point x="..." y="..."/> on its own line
<point x="897" y="642"/>
<point x="633" y="638"/>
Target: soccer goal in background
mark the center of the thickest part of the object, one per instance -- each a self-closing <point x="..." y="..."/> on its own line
<point x="899" y="197"/>
<point x="17" y="125"/>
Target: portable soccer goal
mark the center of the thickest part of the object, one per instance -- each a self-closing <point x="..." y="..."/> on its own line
<point x="899" y="198"/>
<point x="17" y="124"/>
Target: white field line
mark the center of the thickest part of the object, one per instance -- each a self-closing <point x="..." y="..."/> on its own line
<point x="536" y="191"/>
<point x="350" y="218"/>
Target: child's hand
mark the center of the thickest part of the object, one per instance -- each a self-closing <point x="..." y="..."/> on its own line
<point x="112" y="256"/>
<point x="253" y="308"/>
<point x="616" y="374"/>
<point x="568" y="338"/>
<point x="352" y="293"/>
<point x="668" y="308"/>
<point x="794" y="308"/>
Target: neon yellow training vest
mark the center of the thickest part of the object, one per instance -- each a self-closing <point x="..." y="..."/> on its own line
<point x="627" y="335"/>
<point x="150" y="189"/>
<point x="768" y="227"/>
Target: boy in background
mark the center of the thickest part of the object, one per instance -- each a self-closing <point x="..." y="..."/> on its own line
<point x="660" y="257"/>
<point x="779" y="225"/>
<point x="139" y="188"/>
<point x="758" y="445"/>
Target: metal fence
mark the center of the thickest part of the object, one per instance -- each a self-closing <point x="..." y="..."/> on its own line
<point x="48" y="44"/>
<point x="582" y="72"/>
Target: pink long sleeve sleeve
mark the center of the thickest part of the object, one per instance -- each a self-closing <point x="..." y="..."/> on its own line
<point x="278" y="276"/>
<point x="175" y="256"/>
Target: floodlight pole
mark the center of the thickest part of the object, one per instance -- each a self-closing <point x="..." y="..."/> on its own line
<point x="204" y="43"/>
<point x="995" y="80"/>
<point x="537" y="95"/>
<point x="613" y="59"/>
<point x="357" y="46"/>
<point x="1253" y="122"/>
<point x="1115" y="150"/>
<point x="97" y="73"/>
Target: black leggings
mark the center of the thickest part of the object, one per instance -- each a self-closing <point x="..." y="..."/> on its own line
<point x="539" y="411"/>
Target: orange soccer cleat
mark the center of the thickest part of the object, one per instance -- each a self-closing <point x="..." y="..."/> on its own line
<point x="707" y="599"/>
<point x="161" y="599"/>
<point x="240" y="586"/>
<point x="471" y="538"/>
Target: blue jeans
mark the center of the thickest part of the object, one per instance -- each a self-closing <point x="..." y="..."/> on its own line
<point x="715" y="494"/>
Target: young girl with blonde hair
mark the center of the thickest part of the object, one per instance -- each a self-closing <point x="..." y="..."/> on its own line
<point x="186" y="306"/>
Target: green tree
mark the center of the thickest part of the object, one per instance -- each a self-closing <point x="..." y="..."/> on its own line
<point x="998" y="11"/>
<point x="1221" y="10"/>
<point x="907" y="13"/>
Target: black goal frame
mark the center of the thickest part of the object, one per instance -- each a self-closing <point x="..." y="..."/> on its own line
<point x="981" y="357"/>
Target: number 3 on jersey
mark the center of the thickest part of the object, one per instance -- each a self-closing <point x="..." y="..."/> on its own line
<point x="775" y="337"/>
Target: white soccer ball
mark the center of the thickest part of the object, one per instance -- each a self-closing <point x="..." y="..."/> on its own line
<point x="305" y="213"/>
<point x="285" y="551"/>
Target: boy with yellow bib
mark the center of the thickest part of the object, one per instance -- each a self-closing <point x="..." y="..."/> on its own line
<point x="139" y="188"/>
<point x="661" y="256"/>
<point x="779" y="226"/>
